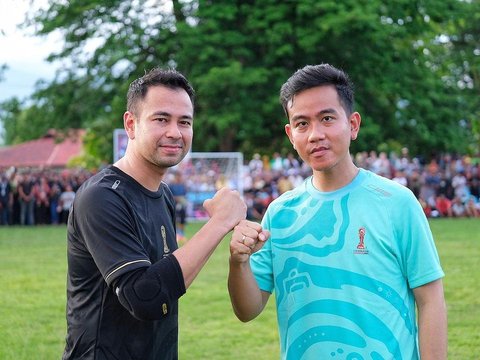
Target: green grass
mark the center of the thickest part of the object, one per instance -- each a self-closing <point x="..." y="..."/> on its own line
<point x="32" y="311"/>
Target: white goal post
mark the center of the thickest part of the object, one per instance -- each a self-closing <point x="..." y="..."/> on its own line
<point x="206" y="172"/>
<point x="203" y="173"/>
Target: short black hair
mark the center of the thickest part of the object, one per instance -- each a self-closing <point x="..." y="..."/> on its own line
<point x="157" y="77"/>
<point x="318" y="75"/>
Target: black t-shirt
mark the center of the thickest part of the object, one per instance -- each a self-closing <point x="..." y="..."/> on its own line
<point x="116" y="227"/>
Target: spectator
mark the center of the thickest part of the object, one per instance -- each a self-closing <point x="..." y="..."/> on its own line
<point x="276" y="164"/>
<point x="443" y="206"/>
<point x="256" y="164"/>
<point x="42" y="201"/>
<point x="65" y="203"/>
<point x="27" y="200"/>
<point x="255" y="206"/>
<point x="6" y="200"/>
<point x="54" y="198"/>
<point x="471" y="209"/>
<point x="458" y="208"/>
<point x="400" y="177"/>
<point x="284" y="184"/>
<point x="179" y="191"/>
<point x="460" y="188"/>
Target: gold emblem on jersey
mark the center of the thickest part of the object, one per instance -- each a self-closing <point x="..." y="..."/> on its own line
<point x="164" y="237"/>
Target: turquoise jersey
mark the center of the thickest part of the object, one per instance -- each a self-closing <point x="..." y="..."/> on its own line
<point x="343" y="265"/>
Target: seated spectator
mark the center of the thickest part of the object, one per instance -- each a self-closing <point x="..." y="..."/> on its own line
<point x="427" y="209"/>
<point x="458" y="209"/>
<point x="471" y="209"/>
<point x="443" y="206"/>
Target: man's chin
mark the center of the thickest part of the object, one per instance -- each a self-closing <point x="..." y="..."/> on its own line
<point x="167" y="162"/>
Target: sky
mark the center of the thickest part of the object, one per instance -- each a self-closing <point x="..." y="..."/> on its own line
<point x="23" y="54"/>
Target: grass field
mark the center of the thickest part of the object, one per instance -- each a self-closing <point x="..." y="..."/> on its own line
<point x="32" y="311"/>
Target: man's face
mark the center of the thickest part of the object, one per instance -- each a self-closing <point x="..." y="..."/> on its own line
<point x="319" y="128"/>
<point x="163" y="129"/>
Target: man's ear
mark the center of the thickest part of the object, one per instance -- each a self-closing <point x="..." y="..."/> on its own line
<point x="288" y="131"/>
<point x="129" y="124"/>
<point x="355" y="121"/>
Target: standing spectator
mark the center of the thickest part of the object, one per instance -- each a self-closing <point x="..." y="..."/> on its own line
<point x="26" y="199"/>
<point x="255" y="165"/>
<point x="6" y="200"/>
<point x="54" y="198"/>
<point x="65" y="202"/>
<point x="179" y="192"/>
<point x="460" y="188"/>
<point x="415" y="183"/>
<point x="474" y="187"/>
<point x="291" y="163"/>
<point x="284" y="184"/>
<point x="445" y="185"/>
<point x="15" y="214"/>
<point x="42" y="201"/>
<point x="400" y="177"/>
<point x="382" y="165"/>
<point x="276" y="164"/>
<point x="255" y="206"/>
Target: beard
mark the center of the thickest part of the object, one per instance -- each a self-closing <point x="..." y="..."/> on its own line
<point x="167" y="160"/>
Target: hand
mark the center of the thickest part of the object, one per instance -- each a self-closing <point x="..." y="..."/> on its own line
<point x="226" y="207"/>
<point x="248" y="237"/>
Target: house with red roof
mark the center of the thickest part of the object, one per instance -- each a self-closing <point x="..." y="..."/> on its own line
<point x="53" y="150"/>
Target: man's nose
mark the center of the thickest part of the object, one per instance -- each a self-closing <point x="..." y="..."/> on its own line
<point x="173" y="131"/>
<point x="317" y="131"/>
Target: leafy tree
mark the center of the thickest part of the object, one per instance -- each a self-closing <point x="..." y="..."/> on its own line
<point x="238" y="53"/>
<point x="10" y="110"/>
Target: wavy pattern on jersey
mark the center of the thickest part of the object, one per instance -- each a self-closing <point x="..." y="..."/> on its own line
<point x="298" y="231"/>
<point x="288" y="218"/>
<point x="297" y="274"/>
<point x="372" y="326"/>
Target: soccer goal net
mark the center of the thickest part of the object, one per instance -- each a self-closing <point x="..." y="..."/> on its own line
<point x="203" y="174"/>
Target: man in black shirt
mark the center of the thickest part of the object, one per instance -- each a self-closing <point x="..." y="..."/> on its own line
<point x="125" y="270"/>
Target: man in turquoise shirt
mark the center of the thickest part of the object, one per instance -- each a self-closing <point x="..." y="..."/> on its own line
<point x="350" y="255"/>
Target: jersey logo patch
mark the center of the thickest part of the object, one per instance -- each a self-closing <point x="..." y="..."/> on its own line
<point x="361" y="247"/>
<point x="115" y="184"/>
<point x="166" y="249"/>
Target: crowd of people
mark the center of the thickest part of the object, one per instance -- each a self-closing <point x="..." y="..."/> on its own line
<point x="447" y="186"/>
<point x="38" y="196"/>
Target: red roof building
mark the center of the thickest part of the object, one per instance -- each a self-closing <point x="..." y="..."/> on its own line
<point x="54" y="150"/>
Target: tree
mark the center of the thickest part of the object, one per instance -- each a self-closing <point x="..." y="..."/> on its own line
<point x="238" y="53"/>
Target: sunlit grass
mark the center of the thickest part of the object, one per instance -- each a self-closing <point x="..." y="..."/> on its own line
<point x="32" y="311"/>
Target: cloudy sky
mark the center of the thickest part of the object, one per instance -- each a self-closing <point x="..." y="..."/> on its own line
<point x="24" y="55"/>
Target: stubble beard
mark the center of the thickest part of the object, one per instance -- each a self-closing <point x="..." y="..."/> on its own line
<point x="164" y="162"/>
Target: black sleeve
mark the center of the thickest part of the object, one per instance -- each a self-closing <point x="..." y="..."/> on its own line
<point x="105" y="222"/>
<point x="147" y="293"/>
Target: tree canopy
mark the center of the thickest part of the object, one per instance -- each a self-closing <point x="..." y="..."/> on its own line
<point x="415" y="65"/>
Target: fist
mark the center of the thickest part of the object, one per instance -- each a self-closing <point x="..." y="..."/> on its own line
<point x="226" y="207"/>
<point x="248" y="237"/>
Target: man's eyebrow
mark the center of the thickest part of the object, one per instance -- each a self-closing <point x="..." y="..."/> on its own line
<point x="321" y="112"/>
<point x="161" y="113"/>
<point x="165" y="113"/>
<point x="327" y="111"/>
